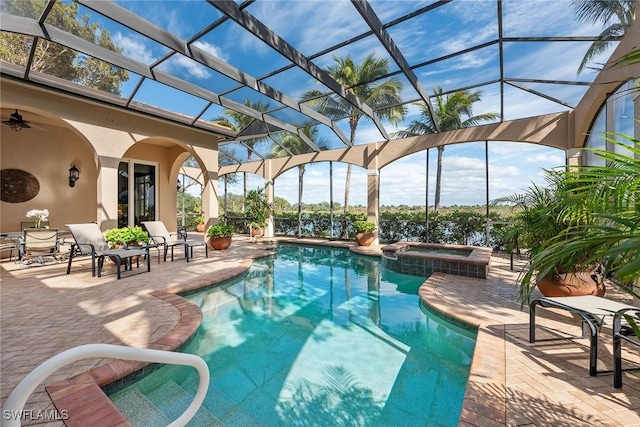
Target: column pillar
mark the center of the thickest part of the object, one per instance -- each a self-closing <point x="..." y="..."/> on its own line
<point x="373" y="199"/>
<point x="107" y="192"/>
<point x="209" y="158"/>
<point x="574" y="157"/>
<point x="269" y="191"/>
<point x="269" y="230"/>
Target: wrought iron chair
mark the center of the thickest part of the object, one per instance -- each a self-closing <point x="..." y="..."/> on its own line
<point x="39" y="245"/>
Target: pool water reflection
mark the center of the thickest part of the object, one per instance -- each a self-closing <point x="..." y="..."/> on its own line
<point x="316" y="336"/>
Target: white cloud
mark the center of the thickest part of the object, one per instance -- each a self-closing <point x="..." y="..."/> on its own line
<point x="192" y="67"/>
<point x="555" y="158"/>
<point x="134" y="48"/>
<point x="305" y="22"/>
<point x="508" y="171"/>
<point x="211" y="49"/>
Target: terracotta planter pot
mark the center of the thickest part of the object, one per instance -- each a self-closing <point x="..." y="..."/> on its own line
<point x="573" y="284"/>
<point x="257" y="232"/>
<point x="200" y="228"/>
<point x="365" y="239"/>
<point x="219" y="243"/>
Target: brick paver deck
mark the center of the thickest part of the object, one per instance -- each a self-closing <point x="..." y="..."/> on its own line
<point x="44" y="311"/>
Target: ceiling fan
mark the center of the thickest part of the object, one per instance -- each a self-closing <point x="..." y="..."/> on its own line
<point x="16" y="122"/>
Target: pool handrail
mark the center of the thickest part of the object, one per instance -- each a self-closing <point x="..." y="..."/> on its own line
<point x="18" y="397"/>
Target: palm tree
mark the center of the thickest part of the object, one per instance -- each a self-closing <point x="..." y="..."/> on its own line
<point x="383" y="97"/>
<point x="293" y="144"/>
<point x="604" y="11"/>
<point x="238" y="122"/>
<point x="449" y="112"/>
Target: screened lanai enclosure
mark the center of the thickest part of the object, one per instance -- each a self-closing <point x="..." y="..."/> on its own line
<point x="353" y="108"/>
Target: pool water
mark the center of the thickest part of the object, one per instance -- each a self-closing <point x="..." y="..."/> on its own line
<point x="314" y="337"/>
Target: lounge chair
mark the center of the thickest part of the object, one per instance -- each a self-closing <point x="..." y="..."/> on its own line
<point x="161" y="237"/>
<point x="89" y="241"/>
<point x="622" y="332"/>
<point x="38" y="245"/>
<point x="594" y="311"/>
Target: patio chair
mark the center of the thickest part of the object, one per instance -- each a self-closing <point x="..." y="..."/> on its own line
<point x="38" y="245"/>
<point x="594" y="312"/>
<point x="161" y="237"/>
<point x="623" y="333"/>
<point x="9" y="246"/>
<point x="89" y="241"/>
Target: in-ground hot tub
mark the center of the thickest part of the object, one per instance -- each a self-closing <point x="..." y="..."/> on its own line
<point x="422" y="259"/>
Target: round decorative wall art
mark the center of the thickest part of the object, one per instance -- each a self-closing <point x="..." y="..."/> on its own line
<point x="18" y="186"/>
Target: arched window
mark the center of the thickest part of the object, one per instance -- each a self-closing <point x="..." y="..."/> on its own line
<point x="617" y="116"/>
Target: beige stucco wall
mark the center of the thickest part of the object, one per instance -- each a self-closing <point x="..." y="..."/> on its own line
<point x="48" y="154"/>
<point x="96" y="137"/>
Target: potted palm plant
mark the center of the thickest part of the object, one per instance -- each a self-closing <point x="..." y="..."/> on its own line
<point x="605" y="198"/>
<point x="543" y="218"/>
<point x="365" y="232"/>
<point x="257" y="211"/>
<point x="219" y="236"/>
<point x="600" y="223"/>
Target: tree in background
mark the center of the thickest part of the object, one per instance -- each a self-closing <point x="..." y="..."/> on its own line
<point x="359" y="79"/>
<point x="618" y="15"/>
<point x="452" y="111"/>
<point x="292" y="144"/>
<point x="188" y="210"/>
<point x="60" y="61"/>
<point x="239" y="122"/>
<point x="230" y="178"/>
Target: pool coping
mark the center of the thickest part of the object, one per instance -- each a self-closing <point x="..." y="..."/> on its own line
<point x="484" y="403"/>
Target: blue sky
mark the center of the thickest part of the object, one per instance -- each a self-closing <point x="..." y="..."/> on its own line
<point x="311" y="26"/>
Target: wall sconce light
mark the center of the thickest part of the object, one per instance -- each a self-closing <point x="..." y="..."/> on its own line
<point x="74" y="175"/>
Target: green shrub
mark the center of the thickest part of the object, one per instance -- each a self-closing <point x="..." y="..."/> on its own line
<point x="127" y="235"/>
<point x="220" y="230"/>
<point x="364" y="226"/>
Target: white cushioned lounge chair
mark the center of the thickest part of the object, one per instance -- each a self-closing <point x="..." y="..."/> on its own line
<point x="160" y="235"/>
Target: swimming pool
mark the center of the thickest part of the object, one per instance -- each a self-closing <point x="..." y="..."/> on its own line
<point x="314" y="337"/>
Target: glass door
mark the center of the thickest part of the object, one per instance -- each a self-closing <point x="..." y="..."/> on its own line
<point x="123" y="194"/>
<point x="137" y="196"/>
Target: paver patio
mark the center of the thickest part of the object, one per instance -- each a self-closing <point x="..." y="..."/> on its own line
<point x="44" y="311"/>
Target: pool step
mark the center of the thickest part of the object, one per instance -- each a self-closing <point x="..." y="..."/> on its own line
<point x="138" y="409"/>
<point x="172" y="400"/>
